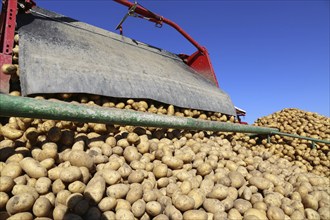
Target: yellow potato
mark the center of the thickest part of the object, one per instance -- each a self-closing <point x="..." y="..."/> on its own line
<point x="42" y="207"/>
<point x="95" y="189"/>
<point x="107" y="204"/>
<point x="195" y="214"/>
<point x="20" y="203"/>
<point x="70" y="174"/>
<point x="21" y="216"/>
<point x="138" y="208"/>
<point x="43" y="185"/>
<point x="19" y="189"/>
<point x="3" y="199"/>
<point x="7" y="183"/>
<point x="33" y="168"/>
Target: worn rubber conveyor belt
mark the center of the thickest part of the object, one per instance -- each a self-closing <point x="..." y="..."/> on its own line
<point x="61" y="55"/>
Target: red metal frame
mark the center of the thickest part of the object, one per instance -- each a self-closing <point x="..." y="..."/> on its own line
<point x="200" y="60"/>
<point x="7" y="25"/>
<point x="7" y="30"/>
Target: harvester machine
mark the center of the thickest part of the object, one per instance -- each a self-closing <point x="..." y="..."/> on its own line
<point x="58" y="54"/>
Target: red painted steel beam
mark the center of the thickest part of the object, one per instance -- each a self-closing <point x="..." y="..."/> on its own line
<point x="199" y="61"/>
<point x="8" y="23"/>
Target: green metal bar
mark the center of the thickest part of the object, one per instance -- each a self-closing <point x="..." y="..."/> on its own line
<point x="58" y="110"/>
<point x="268" y="138"/>
<point x="300" y="137"/>
<point x="313" y="145"/>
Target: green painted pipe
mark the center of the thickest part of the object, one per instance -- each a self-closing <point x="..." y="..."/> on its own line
<point x="301" y="137"/>
<point x="58" y="110"/>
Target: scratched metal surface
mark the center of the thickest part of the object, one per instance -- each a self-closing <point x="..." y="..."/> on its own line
<point x="61" y="55"/>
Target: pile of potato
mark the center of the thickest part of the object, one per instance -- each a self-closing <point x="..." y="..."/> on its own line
<point x="64" y="170"/>
<point x="300" y="151"/>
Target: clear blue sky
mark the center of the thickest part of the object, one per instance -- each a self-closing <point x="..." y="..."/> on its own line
<point x="268" y="55"/>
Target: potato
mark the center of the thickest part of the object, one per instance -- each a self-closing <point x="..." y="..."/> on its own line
<point x="49" y="150"/>
<point x="108" y="215"/>
<point x="21" y="180"/>
<point x="143" y="147"/>
<point x="31" y="182"/>
<point x="134" y="194"/>
<point x="58" y="186"/>
<point x="70" y="174"/>
<point x="33" y="168"/>
<point x="160" y="170"/>
<point x="198" y="196"/>
<point x="257" y="214"/>
<point x="234" y="214"/>
<point x="3" y="199"/>
<point x="20" y="203"/>
<point x="124" y="214"/>
<point x="117" y="191"/>
<point x="59" y="211"/>
<point x="42" y="207"/>
<point x="172" y="212"/>
<point x="125" y="170"/>
<point x="213" y="206"/>
<point x="131" y="153"/>
<point x="183" y="202"/>
<point x="62" y="196"/>
<point x="43" y="185"/>
<point x="218" y="192"/>
<point x="111" y="176"/>
<point x="80" y="158"/>
<point x="11" y="133"/>
<point x="77" y="187"/>
<point x="274" y="212"/>
<point x="21" y="216"/>
<point x="54" y="173"/>
<point x="260" y="205"/>
<point x="207" y="185"/>
<point x="12" y="170"/>
<point x="138" y="208"/>
<point x="172" y="162"/>
<point x="204" y="169"/>
<point x="51" y="197"/>
<point x="194" y="214"/>
<point x="162" y="182"/>
<point x="237" y="179"/>
<point x="242" y="205"/>
<point x="7" y="183"/>
<point x="185" y="187"/>
<point x="312" y="214"/>
<point x="149" y="195"/>
<point x="85" y="174"/>
<point x="95" y="189"/>
<point x="19" y="189"/>
<point x="260" y="182"/>
<point x="153" y="208"/>
<point x="310" y="201"/>
<point x="273" y="199"/>
<point x="297" y="215"/>
<point x="47" y="163"/>
<point x="107" y="204"/>
<point x="133" y="138"/>
<point x="16" y="157"/>
<point x="136" y="177"/>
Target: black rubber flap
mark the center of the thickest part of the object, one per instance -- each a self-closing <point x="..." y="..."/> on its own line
<point x="61" y="55"/>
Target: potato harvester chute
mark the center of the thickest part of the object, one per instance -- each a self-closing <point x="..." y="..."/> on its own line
<point x="58" y="54"/>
